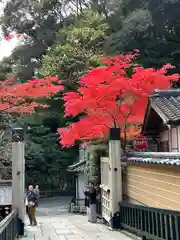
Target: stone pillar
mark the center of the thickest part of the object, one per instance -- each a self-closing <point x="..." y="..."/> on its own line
<point x="18" y="169"/>
<point x="115" y="176"/>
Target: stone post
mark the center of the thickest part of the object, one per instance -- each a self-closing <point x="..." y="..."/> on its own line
<point x="115" y="176"/>
<point x="18" y="169"/>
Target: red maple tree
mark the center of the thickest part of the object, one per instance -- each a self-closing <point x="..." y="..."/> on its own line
<point x="24" y="97"/>
<point x="10" y="36"/>
<point x="114" y="95"/>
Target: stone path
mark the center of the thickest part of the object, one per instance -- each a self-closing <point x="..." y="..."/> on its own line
<point x="58" y="225"/>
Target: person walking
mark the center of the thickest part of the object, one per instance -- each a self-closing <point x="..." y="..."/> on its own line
<point x="32" y="203"/>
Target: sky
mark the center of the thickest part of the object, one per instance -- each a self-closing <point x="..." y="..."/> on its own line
<point x="6" y="47"/>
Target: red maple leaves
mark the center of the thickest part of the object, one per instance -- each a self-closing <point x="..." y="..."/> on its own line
<point x="114" y="95"/>
<point x="24" y="97"/>
<point x="14" y="35"/>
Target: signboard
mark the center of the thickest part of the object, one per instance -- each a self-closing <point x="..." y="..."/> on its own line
<point x="140" y="143"/>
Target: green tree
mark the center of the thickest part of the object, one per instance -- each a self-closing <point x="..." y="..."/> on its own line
<point x="46" y="161"/>
<point x="130" y="20"/>
<point x="5" y="68"/>
<point x="39" y="21"/>
<point x="92" y="169"/>
<point x="77" y="48"/>
<point x="150" y="26"/>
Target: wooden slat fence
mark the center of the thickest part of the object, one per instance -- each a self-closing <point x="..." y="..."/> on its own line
<point x="150" y="223"/>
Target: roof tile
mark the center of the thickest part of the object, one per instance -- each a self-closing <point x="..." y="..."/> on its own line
<point x="168" y="103"/>
<point x="77" y="167"/>
<point x="167" y="158"/>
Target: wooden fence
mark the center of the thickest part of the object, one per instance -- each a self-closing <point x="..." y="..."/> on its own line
<point x="150" y="223"/>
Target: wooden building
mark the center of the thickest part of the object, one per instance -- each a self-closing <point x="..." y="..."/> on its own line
<point x="149" y="178"/>
<point x="162" y="120"/>
<point x="78" y="170"/>
<point x="79" y="182"/>
<point x="153" y="178"/>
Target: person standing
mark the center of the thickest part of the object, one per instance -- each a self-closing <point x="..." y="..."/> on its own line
<point x="32" y="203"/>
<point x="90" y="193"/>
<point x="36" y="190"/>
<point x="86" y="203"/>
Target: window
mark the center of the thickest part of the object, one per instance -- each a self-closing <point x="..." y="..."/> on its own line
<point x="164" y="146"/>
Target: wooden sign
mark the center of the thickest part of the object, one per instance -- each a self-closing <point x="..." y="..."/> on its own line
<point x="140" y="143"/>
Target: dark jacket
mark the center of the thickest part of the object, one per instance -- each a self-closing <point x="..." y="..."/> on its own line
<point x="86" y="202"/>
<point x="32" y="197"/>
<point x="90" y="196"/>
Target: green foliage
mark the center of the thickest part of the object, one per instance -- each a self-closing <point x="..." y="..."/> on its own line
<point x="150" y="26"/>
<point x="92" y="168"/>
<point x="45" y="160"/>
<point x="69" y="44"/>
<point x="131" y="25"/>
<point x="5" y="68"/>
<point x="77" y="48"/>
<point x="39" y="21"/>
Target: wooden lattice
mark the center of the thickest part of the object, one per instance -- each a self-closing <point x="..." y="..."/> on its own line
<point x="106" y="204"/>
<point x="105" y="190"/>
<point x="105" y="171"/>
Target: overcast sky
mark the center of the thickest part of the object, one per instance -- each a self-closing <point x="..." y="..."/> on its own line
<point x="6" y="47"/>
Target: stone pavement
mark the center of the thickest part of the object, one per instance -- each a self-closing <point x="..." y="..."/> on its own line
<point x="59" y="225"/>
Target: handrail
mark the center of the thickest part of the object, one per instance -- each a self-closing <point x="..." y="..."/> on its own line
<point x="147" y="208"/>
<point x="150" y="223"/>
<point x="6" y="221"/>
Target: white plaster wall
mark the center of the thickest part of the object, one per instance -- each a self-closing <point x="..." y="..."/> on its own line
<point x="81" y="154"/>
<point x="81" y="185"/>
<point x="178" y="138"/>
<point x="5" y="195"/>
<point x="164" y="136"/>
<point x="174" y="139"/>
<point x="173" y="136"/>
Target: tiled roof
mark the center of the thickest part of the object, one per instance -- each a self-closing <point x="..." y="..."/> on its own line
<point x="167" y="104"/>
<point x="77" y="167"/>
<point x="167" y="158"/>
